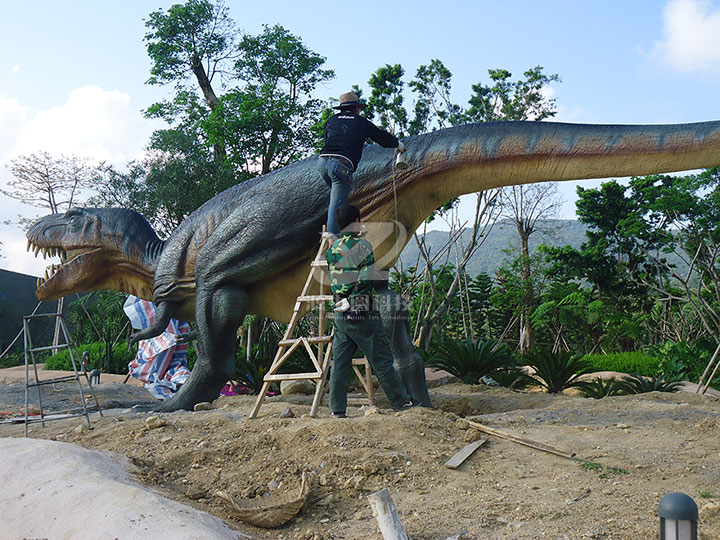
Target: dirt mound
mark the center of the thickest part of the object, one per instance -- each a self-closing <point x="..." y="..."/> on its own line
<point x="641" y="447"/>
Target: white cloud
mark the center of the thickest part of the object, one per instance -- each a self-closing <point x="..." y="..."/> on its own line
<point x="13" y="117"/>
<point x="93" y="122"/>
<point x="691" y="41"/>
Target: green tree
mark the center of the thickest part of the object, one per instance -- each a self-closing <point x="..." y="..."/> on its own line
<point x="385" y="104"/>
<point x="506" y="99"/>
<point x="195" y="39"/>
<point x="99" y="317"/>
<point x="433" y="105"/>
<point x="268" y="118"/>
<point x="178" y="176"/>
<point x="524" y="205"/>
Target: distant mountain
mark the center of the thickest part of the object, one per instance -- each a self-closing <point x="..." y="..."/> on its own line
<point x="503" y="236"/>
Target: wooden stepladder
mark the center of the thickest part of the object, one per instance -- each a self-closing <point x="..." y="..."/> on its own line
<point x="322" y="359"/>
<point x="321" y="356"/>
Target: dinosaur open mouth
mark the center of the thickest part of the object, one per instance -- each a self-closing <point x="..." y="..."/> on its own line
<point x="69" y="259"/>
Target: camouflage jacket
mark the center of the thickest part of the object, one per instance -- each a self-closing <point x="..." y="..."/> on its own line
<point x="351" y="265"/>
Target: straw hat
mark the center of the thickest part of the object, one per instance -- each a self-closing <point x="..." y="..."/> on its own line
<point x="349" y="99"/>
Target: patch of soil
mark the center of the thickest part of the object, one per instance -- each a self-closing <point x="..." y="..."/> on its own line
<point x="640" y="448"/>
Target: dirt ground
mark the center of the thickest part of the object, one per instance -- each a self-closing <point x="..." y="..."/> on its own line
<point x="640" y="448"/>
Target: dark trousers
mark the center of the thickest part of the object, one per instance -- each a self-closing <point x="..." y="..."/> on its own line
<point x="366" y="333"/>
<point x="337" y="173"/>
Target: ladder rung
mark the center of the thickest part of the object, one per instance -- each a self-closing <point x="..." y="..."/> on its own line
<point x="319" y="263"/>
<point x="292" y="376"/>
<point x="40" y="315"/>
<point x="319" y="339"/>
<point x="50" y="418"/>
<point x="67" y="378"/>
<point x="75" y="410"/>
<point x="316" y="298"/>
<point x="58" y="346"/>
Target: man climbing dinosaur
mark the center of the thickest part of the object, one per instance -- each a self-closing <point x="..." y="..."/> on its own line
<point x="345" y="135"/>
<point x="351" y="264"/>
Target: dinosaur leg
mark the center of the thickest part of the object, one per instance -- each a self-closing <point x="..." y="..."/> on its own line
<point x="218" y="314"/>
<point x="408" y="362"/>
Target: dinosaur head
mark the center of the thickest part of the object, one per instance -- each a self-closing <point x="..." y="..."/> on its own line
<point x="99" y="248"/>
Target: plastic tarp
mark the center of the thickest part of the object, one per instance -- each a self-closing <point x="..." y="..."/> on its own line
<point x="161" y="362"/>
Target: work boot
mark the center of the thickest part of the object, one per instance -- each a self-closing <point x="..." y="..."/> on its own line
<point x="339" y="415"/>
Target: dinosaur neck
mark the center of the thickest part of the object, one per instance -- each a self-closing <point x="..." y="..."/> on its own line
<point x="476" y="157"/>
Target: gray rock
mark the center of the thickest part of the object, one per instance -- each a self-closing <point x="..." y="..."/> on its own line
<point x="305" y="388"/>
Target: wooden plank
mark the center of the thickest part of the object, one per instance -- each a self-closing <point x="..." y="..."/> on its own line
<point x="292" y="377"/>
<point x="317" y="339"/>
<point x="315" y="298"/>
<point x="464" y="453"/>
<point x="520" y="440"/>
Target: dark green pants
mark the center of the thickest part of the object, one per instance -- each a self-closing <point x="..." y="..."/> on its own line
<point x="366" y="333"/>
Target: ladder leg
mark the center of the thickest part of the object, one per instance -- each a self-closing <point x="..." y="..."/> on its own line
<point x="66" y="336"/>
<point x="260" y="399"/>
<point x="320" y="388"/>
<point x="37" y="377"/>
<point x="27" y="373"/>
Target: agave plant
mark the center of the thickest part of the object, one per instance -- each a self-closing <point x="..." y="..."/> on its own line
<point x="634" y="384"/>
<point x="556" y="371"/>
<point x="467" y="359"/>
<point x="512" y="377"/>
<point x="599" y="388"/>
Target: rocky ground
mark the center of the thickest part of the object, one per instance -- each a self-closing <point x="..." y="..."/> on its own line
<point x="638" y="449"/>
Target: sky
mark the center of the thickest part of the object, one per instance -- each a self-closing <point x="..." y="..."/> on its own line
<point x="73" y="72"/>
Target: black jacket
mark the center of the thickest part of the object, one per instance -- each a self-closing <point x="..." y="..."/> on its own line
<point x="345" y="134"/>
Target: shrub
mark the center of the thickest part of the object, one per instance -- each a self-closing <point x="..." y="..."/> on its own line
<point x="512" y="377"/>
<point x="680" y="360"/>
<point x="633" y="362"/>
<point x="121" y="357"/>
<point x="467" y="359"/>
<point x="599" y="388"/>
<point x="642" y="385"/>
<point x="556" y="371"/>
<point x="13" y="359"/>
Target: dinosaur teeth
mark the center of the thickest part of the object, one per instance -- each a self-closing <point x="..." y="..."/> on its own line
<point x="37" y="250"/>
<point x="39" y="282"/>
<point x="29" y="245"/>
<point x="46" y="275"/>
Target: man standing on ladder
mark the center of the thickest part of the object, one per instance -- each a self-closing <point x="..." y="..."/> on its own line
<point x="351" y="264"/>
<point x="345" y="135"/>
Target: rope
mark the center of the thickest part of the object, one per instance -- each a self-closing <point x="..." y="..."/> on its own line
<point x="394" y="189"/>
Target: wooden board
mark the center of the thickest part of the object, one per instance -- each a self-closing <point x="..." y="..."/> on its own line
<point x="458" y="459"/>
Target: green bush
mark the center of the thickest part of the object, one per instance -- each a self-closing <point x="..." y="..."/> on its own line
<point x="469" y="360"/>
<point x="556" y="371"/>
<point x="681" y="360"/>
<point x="634" y="362"/>
<point x="121" y="357"/>
<point x="642" y="385"/>
<point x="512" y="377"/>
<point x="598" y="388"/>
<point x="12" y="359"/>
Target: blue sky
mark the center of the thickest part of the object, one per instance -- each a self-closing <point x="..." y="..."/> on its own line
<point x="72" y="73"/>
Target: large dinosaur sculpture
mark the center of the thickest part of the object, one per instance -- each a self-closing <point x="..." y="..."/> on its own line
<point x="247" y="250"/>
